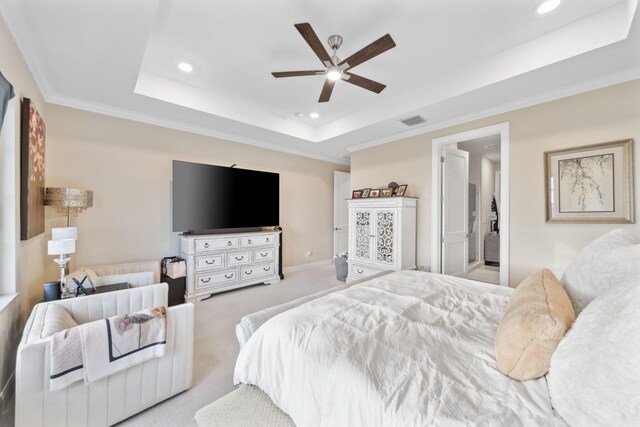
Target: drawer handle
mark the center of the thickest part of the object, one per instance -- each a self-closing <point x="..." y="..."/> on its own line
<point x="264" y="254"/>
<point x="239" y="259"/>
<point x="267" y="240"/>
<point x="206" y="281"/>
<point x="206" y="261"/>
<point x="360" y="271"/>
<point x="248" y="272"/>
<point x="206" y="245"/>
<point x="228" y="276"/>
<point x="229" y="243"/>
<point x="266" y="268"/>
<point x="249" y="241"/>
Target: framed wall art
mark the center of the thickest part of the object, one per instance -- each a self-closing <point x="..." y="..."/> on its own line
<point x="32" y="166"/>
<point x="593" y="183"/>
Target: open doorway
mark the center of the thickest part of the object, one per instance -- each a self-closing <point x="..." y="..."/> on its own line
<point x="484" y="207"/>
<point x="470" y="181"/>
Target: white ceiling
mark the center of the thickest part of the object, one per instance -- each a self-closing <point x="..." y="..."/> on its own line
<point x="454" y="61"/>
<point x="487" y="146"/>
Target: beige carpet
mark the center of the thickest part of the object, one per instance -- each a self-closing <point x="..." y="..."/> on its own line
<point x="247" y="406"/>
<point x="486" y="273"/>
<point x="216" y="348"/>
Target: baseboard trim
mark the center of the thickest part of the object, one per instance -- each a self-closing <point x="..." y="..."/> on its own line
<point x="307" y="266"/>
<point x="7" y="392"/>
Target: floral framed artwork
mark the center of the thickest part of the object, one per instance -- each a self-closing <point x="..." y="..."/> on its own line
<point x="386" y="192"/>
<point x="32" y="168"/>
<point x="366" y="192"/>
<point x="593" y="183"/>
<point x="375" y="193"/>
<point x="401" y="190"/>
<point x="356" y="194"/>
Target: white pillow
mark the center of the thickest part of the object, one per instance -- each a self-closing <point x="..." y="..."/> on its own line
<point x="594" y="378"/>
<point x="604" y="263"/>
<point x="56" y="319"/>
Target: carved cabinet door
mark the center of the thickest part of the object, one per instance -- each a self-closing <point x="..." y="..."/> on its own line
<point x="362" y="229"/>
<point x="384" y="249"/>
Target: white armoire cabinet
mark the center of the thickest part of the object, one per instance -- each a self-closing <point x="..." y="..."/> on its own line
<point x="382" y="235"/>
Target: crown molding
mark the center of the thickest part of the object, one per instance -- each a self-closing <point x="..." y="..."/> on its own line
<point x="122" y="113"/>
<point x="564" y="92"/>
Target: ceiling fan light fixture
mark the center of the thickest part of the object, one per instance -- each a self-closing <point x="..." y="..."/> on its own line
<point x="547" y="6"/>
<point x="334" y="74"/>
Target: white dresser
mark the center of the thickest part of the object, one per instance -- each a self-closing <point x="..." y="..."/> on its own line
<point x="219" y="262"/>
<point x="382" y="235"/>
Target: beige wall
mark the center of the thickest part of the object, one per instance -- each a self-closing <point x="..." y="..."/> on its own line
<point x="26" y="259"/>
<point x="607" y="114"/>
<point x="128" y="166"/>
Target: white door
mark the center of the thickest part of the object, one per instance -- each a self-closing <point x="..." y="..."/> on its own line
<point x="455" y="212"/>
<point x="341" y="192"/>
<point x="362" y="228"/>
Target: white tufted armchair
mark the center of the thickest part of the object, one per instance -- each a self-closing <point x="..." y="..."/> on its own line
<point x="112" y="399"/>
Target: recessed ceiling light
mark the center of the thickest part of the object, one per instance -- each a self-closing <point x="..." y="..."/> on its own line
<point x="314" y="115"/>
<point x="547" y="6"/>
<point x="298" y="115"/>
<point x="186" y="67"/>
<point x="334" y="74"/>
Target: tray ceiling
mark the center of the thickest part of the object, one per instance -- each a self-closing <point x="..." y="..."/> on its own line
<point x="452" y="62"/>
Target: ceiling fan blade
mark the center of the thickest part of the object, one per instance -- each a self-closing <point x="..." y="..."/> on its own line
<point x="314" y="42"/>
<point x="364" y="83"/>
<point x="279" y="74"/>
<point x="379" y="46"/>
<point x="326" y="90"/>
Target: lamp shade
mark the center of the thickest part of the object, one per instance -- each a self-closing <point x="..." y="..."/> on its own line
<point x="62" y="247"/>
<point x="62" y="233"/>
<point x="72" y="198"/>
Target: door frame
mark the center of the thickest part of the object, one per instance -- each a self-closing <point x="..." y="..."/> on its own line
<point x="336" y="200"/>
<point x="437" y="144"/>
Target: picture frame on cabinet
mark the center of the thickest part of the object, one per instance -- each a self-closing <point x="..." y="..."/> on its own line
<point x="401" y="190"/>
<point x="356" y="194"/>
<point x="386" y="192"/>
<point x="366" y="192"/>
<point x="375" y="193"/>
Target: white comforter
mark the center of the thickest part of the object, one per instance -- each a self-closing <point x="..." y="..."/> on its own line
<point x="406" y="349"/>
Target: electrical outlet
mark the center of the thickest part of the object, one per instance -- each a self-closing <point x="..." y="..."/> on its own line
<point x="309" y="253"/>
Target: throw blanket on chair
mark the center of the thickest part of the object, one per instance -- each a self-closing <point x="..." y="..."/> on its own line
<point x="99" y="349"/>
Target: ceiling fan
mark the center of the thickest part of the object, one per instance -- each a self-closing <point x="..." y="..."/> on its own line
<point x="335" y="69"/>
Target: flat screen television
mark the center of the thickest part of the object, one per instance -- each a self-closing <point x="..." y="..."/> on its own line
<point x="208" y="197"/>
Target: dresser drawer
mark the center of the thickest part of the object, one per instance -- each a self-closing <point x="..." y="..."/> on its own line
<point x="258" y="240"/>
<point x="216" y="244"/>
<point x="248" y="273"/>
<point x="209" y="262"/>
<point x="238" y="258"/>
<point x="359" y="272"/>
<point x="263" y="254"/>
<point x="216" y="279"/>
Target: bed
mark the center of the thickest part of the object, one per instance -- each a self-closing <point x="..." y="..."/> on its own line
<point x="405" y="349"/>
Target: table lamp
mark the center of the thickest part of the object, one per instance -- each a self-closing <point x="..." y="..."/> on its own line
<point x="62" y="248"/>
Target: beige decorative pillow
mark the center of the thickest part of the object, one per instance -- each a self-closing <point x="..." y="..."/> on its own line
<point x="56" y="319"/>
<point x="537" y="317"/>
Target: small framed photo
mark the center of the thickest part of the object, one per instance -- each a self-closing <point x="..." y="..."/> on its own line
<point x="401" y="190"/>
<point x="386" y="192"/>
<point x="375" y="193"/>
<point x="593" y="183"/>
<point x="356" y="194"/>
<point x="366" y="192"/>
